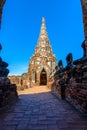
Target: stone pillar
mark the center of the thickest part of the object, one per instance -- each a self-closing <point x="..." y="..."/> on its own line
<point x="38" y="78"/>
<point x="1" y="7"/>
<point x="84" y="11"/>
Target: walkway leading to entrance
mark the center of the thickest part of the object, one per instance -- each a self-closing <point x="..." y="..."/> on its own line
<point x="38" y="109"/>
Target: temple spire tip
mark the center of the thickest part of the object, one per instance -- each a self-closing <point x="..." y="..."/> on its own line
<point x="43" y="20"/>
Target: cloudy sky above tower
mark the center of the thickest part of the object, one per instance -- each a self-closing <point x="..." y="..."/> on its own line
<point x="21" y="25"/>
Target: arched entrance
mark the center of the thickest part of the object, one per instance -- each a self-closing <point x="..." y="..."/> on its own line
<point x="43" y="77"/>
<point x="35" y="77"/>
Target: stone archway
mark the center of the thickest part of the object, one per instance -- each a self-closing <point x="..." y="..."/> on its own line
<point x="43" y="77"/>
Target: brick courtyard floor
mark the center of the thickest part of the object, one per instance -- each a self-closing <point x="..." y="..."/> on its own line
<point x="38" y="109"/>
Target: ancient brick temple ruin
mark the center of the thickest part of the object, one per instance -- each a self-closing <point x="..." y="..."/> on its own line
<point x="43" y="62"/>
<point x="41" y="65"/>
<point x="70" y="82"/>
<point x="8" y="93"/>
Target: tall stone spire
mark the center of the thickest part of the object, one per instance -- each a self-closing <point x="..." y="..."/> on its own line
<point x="43" y="32"/>
<point x="43" y="62"/>
<point x="43" y="37"/>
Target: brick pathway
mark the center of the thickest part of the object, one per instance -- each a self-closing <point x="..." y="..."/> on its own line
<point x="38" y="109"/>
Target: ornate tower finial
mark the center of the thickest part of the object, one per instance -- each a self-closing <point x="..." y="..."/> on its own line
<point x="43" y="20"/>
<point x="43" y="32"/>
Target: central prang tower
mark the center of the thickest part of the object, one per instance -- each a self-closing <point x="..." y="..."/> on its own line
<point x="43" y="62"/>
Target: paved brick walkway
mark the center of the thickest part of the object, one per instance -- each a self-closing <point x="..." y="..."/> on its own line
<point x="38" y="109"/>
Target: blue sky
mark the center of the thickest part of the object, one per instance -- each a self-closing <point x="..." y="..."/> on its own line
<point x="21" y="24"/>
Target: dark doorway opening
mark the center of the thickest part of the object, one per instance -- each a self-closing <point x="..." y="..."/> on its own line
<point x="43" y="77"/>
<point x="35" y="77"/>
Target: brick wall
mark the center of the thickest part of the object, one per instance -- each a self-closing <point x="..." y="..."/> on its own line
<point x="8" y="94"/>
<point x="70" y="82"/>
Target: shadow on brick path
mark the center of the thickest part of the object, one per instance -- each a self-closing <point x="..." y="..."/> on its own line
<point x="38" y="109"/>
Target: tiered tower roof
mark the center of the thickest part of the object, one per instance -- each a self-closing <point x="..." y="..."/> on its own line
<point x="43" y="37"/>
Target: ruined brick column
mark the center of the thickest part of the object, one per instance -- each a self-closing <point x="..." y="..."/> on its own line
<point x="84" y="11"/>
<point x="1" y="7"/>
